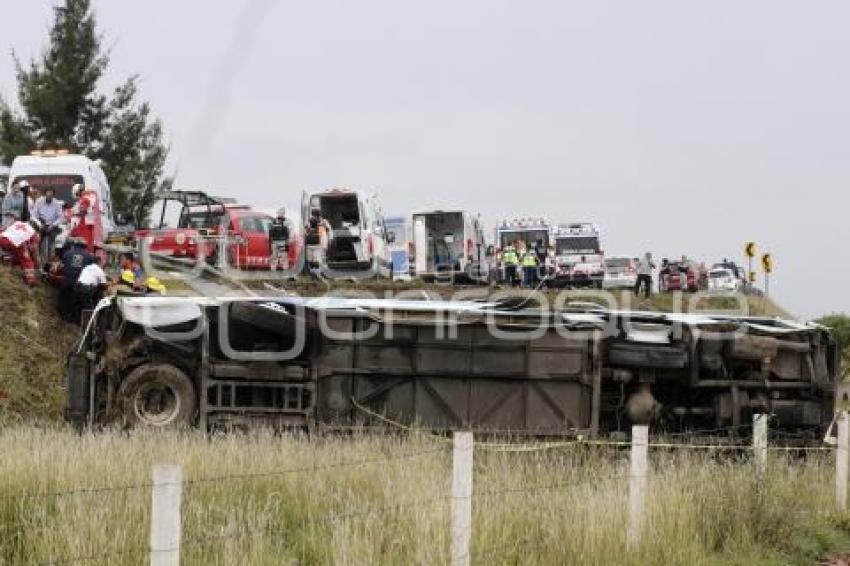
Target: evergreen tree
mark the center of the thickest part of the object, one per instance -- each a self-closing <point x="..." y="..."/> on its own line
<point x="62" y="108"/>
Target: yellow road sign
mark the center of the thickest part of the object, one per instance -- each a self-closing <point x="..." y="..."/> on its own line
<point x="750" y="249"/>
<point x="767" y="263"/>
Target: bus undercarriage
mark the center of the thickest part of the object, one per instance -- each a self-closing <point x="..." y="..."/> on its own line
<point x="337" y="363"/>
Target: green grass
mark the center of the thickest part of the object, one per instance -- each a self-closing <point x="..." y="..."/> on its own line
<point x="563" y="506"/>
<point x="33" y="346"/>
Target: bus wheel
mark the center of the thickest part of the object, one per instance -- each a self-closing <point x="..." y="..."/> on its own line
<point x="157" y="396"/>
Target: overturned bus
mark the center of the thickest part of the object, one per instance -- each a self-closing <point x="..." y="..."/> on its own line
<point x="492" y="367"/>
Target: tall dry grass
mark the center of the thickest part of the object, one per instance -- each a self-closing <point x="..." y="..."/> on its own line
<point x="241" y="506"/>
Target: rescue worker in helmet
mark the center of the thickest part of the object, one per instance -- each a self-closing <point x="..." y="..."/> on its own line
<point x="511" y="261"/>
<point x="21" y="241"/>
<point x="154" y="286"/>
<point x="529" y="267"/>
<point x="126" y="281"/>
<point x="127" y="263"/>
<point x="279" y="234"/>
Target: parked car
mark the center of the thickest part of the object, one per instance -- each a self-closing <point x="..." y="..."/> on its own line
<point x="620" y="272"/>
<point x="678" y="276"/>
<point x="723" y="279"/>
<point x="738" y="272"/>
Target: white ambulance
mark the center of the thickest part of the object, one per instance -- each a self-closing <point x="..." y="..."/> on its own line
<point x="60" y="171"/>
<point x="449" y="245"/>
<point x="356" y="246"/>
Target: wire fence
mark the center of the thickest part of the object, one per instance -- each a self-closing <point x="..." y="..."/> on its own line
<point x="457" y="500"/>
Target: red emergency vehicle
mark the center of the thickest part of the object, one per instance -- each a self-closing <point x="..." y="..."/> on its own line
<point x="192" y="224"/>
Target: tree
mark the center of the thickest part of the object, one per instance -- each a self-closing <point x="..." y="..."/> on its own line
<point x="62" y="108"/>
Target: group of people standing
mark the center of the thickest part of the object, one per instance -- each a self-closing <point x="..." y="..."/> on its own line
<point x="30" y="232"/>
<point x="527" y="266"/>
<point x="31" y="223"/>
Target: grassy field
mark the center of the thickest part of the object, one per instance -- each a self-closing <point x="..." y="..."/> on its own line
<point x="266" y="499"/>
<point x="363" y="499"/>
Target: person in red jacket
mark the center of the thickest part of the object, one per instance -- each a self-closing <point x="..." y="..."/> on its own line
<point x="21" y="241"/>
<point x="82" y="222"/>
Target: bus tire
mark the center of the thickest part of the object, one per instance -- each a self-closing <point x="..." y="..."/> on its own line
<point x="157" y="396"/>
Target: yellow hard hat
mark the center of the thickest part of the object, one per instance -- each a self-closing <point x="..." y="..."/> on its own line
<point x="128" y="277"/>
<point x="155" y="285"/>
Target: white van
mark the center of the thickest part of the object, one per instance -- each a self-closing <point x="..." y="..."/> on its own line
<point x="60" y="171"/>
<point x="450" y="244"/>
<point x="357" y="243"/>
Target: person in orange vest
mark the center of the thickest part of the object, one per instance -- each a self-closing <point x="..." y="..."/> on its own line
<point x="82" y="222"/>
<point x="21" y="241"/>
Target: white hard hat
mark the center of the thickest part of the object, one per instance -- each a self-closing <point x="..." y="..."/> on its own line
<point x="23" y="183"/>
<point x="76" y="189"/>
<point x="281" y="212"/>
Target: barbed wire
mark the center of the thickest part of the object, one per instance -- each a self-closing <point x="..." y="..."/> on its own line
<point x="545" y="487"/>
<point x="214" y="479"/>
<point x="313" y="468"/>
<point x="513" y="447"/>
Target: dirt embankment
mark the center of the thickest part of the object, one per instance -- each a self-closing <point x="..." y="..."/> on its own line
<point x="33" y="346"/>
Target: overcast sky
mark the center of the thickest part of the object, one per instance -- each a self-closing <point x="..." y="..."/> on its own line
<point x="679" y="127"/>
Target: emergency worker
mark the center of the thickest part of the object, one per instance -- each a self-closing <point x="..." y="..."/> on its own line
<point x="127" y="262"/>
<point x="83" y="217"/>
<point x="279" y="234"/>
<point x="21" y="241"/>
<point x="529" y="267"/>
<point x="154" y="286"/>
<point x="511" y="261"/>
<point x="89" y="288"/>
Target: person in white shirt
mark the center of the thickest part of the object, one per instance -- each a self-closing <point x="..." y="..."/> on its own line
<point x="644" y="277"/>
<point x="88" y="289"/>
<point x="48" y="210"/>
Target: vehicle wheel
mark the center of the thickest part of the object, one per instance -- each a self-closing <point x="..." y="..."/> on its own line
<point x="157" y="396"/>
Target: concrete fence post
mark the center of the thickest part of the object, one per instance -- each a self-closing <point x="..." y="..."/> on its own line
<point x="165" y="515"/>
<point x="461" y="498"/>
<point x="637" y="484"/>
<point x="760" y="444"/>
<point x="841" y="463"/>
